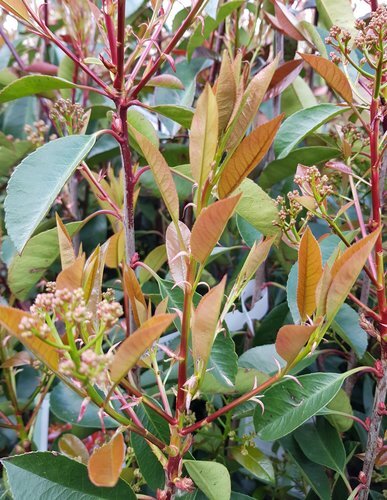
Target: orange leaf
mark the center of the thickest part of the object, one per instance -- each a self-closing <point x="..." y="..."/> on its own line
<point x="322" y="291"/>
<point x="287" y="22"/>
<point x="67" y="254"/>
<point x="291" y="339"/>
<point x="177" y="252"/>
<point x="204" y="136"/>
<point x="204" y="325"/>
<point x="16" y="7"/>
<point x="309" y="274"/>
<point x="225" y="92"/>
<point x="209" y="227"/>
<point x="105" y="464"/>
<point x="10" y="319"/>
<point x="333" y="75"/>
<point x="345" y="271"/>
<point x="71" y="276"/>
<point x="133" y="289"/>
<point x="247" y="156"/>
<point x="132" y="348"/>
<point x="161" y="173"/>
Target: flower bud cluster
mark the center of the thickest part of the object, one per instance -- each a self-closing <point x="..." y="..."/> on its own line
<point x="69" y="118"/>
<point x="36" y="132"/>
<point x="92" y="367"/>
<point x="372" y="37"/>
<point x="312" y="183"/>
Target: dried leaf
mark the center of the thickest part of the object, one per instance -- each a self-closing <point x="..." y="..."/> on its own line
<point x="177" y="252"/>
<point x="105" y="464"/>
<point x="225" y="92"/>
<point x="333" y="75"/>
<point x="132" y="348"/>
<point x="291" y="339"/>
<point x="309" y="274"/>
<point x="247" y="156"/>
<point x="209" y="227"/>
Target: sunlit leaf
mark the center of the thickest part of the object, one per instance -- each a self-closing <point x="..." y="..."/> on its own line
<point x="247" y="156"/>
<point x="209" y="227"/>
<point x="309" y="274"/>
<point x="332" y="74"/>
<point x="105" y="464"/>
<point x="287" y="22"/>
<point x="291" y="339"/>
<point x="256" y="462"/>
<point x="116" y="250"/>
<point x="132" y="348"/>
<point x="155" y="259"/>
<point x="257" y="255"/>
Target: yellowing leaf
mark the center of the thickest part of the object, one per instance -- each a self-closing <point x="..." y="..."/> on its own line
<point x="105" y="464"/>
<point x="67" y="254"/>
<point x="309" y="274"/>
<point x="177" y="253"/>
<point x="203" y="137"/>
<point x="16" y="7"/>
<point x="71" y="276"/>
<point x="133" y="289"/>
<point x="247" y="156"/>
<point x="333" y="75"/>
<point x="132" y="348"/>
<point x="345" y="271"/>
<point x="250" y="103"/>
<point x="225" y="92"/>
<point x="161" y="173"/>
<point x="204" y="325"/>
<point x="291" y="339"/>
<point x="209" y="227"/>
<point x="10" y="319"/>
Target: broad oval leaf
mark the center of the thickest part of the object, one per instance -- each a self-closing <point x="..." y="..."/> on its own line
<point x="288" y="405"/>
<point x="33" y="84"/>
<point x="177" y="246"/>
<point x="211" y="478"/>
<point x="209" y="227"/>
<point x="105" y="464"/>
<point x="204" y="137"/>
<point x="300" y="124"/>
<point x="333" y="75"/>
<point x="204" y="325"/>
<point x="37" y="181"/>
<point x="291" y="339"/>
<point x="247" y="156"/>
<point x="42" y="473"/>
<point x="254" y="461"/>
<point x="132" y="348"/>
<point x="309" y="274"/>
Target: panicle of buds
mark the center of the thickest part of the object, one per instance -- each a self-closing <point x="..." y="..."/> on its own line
<point x="372" y="37"/>
<point x="36" y="132"/>
<point x="95" y="367"/>
<point x="109" y="312"/>
<point x="69" y="118"/>
<point x="312" y="183"/>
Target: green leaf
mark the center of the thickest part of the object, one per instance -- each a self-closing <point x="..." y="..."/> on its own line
<point x="139" y="122"/>
<point x="346" y="325"/>
<point x="33" y="84"/>
<point x="336" y="12"/>
<point x="288" y="405"/>
<point x="313" y="473"/>
<point x="211" y="478"/>
<point x="179" y="114"/>
<point x="38" y="180"/>
<point x="223" y="362"/>
<point x="297" y="96"/>
<point x="47" y="475"/>
<point x="341" y="403"/>
<point x="279" y="170"/>
<point x="11" y="153"/>
<point x="327" y="449"/>
<point x="39" y="254"/>
<point x="262" y="358"/>
<point x="255" y="462"/>
<point x="248" y="232"/>
<point x="66" y="405"/>
<point x="300" y="124"/>
<point x="257" y="208"/>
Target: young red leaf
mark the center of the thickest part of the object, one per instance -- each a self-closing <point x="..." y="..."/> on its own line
<point x="133" y="289"/>
<point x="247" y="156"/>
<point x="177" y="252"/>
<point x="204" y="325"/>
<point x="283" y="77"/>
<point x="288" y="22"/>
<point x="209" y="227"/>
<point x="225" y="91"/>
<point x="333" y="75"/>
<point x="71" y="276"/>
<point x="322" y="291"/>
<point x="291" y="339"/>
<point x="105" y="464"/>
<point x="132" y="348"/>
<point x="309" y="274"/>
<point x="67" y="254"/>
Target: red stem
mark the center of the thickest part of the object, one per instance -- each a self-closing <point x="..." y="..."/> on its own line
<point x="119" y="80"/>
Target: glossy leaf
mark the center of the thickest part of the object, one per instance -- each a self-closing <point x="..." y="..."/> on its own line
<point x="300" y="124"/>
<point x="33" y="84"/>
<point x="211" y="478"/>
<point x="225" y="92"/>
<point x="105" y="463"/>
<point x="209" y="227"/>
<point x="162" y="175"/>
<point x="287" y="22"/>
<point x="256" y="462"/>
<point x="204" y="325"/>
<point x="332" y="74"/>
<point x="309" y="274"/>
<point x="204" y="137"/>
<point x="133" y="347"/>
<point x="44" y="472"/>
<point x="38" y="180"/>
<point x="291" y="339"/>
<point x="223" y="361"/>
<point x="288" y="405"/>
<point x="250" y="103"/>
<point x="247" y="156"/>
<point x="177" y="252"/>
<point x="257" y="255"/>
<point x="345" y="271"/>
